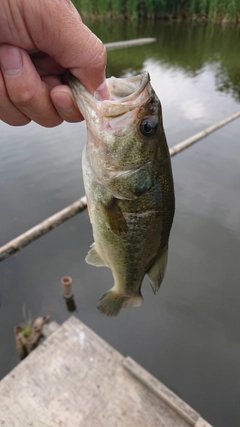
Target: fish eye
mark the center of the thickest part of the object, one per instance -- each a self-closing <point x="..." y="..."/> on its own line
<point x="148" y="126"/>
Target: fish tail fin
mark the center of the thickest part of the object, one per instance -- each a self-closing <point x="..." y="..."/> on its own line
<point x="112" y="302"/>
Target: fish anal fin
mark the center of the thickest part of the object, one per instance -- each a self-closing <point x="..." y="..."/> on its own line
<point x="114" y="216"/>
<point x="94" y="258"/>
<point x="112" y="302"/>
<point x="157" y="271"/>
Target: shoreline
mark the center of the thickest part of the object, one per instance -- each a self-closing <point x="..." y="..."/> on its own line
<point x="119" y="18"/>
<point x="192" y="11"/>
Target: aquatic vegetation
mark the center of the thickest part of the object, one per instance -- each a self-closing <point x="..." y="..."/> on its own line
<point x="215" y="10"/>
<point x="27" y="326"/>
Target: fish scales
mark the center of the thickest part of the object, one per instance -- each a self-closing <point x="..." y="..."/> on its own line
<point x="129" y="187"/>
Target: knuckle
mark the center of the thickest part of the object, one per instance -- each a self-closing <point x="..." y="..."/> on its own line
<point x="23" y="99"/>
<point x="9" y="113"/>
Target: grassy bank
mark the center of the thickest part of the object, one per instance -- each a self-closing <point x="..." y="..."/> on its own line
<point x="214" y="10"/>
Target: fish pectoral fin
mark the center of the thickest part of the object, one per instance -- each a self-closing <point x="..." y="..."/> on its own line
<point x="114" y="216"/>
<point x="112" y="302"/>
<point x="157" y="271"/>
<point x="132" y="183"/>
<point x="94" y="258"/>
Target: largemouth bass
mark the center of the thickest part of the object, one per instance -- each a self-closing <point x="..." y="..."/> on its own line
<point x="129" y="187"/>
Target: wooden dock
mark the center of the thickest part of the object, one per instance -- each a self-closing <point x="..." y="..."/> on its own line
<point x="76" y="379"/>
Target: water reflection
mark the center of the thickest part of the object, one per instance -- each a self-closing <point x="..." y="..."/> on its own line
<point x="187" y="47"/>
<point x="228" y="80"/>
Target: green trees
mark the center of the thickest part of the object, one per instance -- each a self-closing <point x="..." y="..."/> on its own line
<point x="153" y="9"/>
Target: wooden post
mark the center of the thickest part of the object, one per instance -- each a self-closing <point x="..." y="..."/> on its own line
<point x="67" y="287"/>
<point x="68" y="293"/>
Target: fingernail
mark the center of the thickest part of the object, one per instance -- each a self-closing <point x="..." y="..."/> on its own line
<point x="11" y="60"/>
<point x="62" y="100"/>
<point x="102" y="92"/>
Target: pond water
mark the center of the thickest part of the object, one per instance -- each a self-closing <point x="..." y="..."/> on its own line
<point x="188" y="334"/>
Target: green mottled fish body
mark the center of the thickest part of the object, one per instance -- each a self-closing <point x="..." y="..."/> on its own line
<point x="129" y="187"/>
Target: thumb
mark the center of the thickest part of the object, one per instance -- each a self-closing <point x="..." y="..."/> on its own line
<point x="57" y="29"/>
<point x="93" y="58"/>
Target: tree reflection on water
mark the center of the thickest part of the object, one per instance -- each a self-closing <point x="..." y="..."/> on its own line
<point x="188" y="46"/>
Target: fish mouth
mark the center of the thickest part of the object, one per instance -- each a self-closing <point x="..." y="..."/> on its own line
<point x="125" y="94"/>
<point x="128" y="88"/>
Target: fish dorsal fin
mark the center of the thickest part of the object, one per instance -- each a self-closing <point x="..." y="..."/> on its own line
<point x="157" y="271"/>
<point x="114" y="216"/>
<point x="94" y="258"/>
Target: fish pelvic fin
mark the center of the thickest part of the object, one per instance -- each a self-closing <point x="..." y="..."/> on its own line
<point x="112" y="302"/>
<point x="94" y="258"/>
<point x="157" y="271"/>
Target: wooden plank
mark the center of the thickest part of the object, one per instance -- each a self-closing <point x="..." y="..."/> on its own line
<point x="76" y="379"/>
<point x="202" y="423"/>
<point x="168" y="397"/>
<point x="49" y="328"/>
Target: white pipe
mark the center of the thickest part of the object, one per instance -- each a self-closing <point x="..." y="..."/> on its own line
<point x="190" y="141"/>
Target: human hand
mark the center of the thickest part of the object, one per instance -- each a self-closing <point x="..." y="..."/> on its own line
<point x="40" y="42"/>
